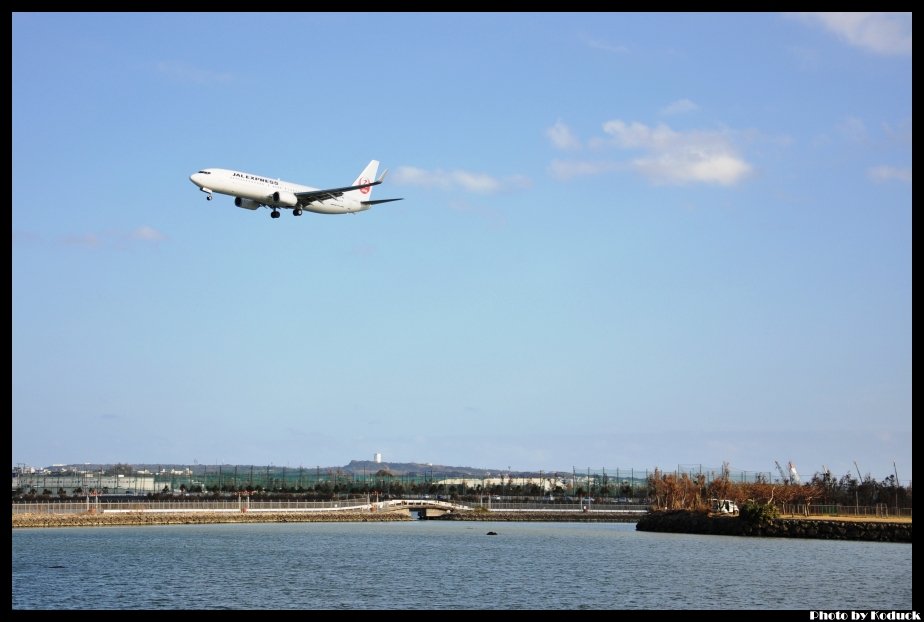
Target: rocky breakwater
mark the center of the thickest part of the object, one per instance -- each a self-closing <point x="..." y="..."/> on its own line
<point x="198" y="518"/>
<point x="685" y="521"/>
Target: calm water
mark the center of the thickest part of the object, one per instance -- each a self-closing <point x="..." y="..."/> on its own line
<point x="447" y="565"/>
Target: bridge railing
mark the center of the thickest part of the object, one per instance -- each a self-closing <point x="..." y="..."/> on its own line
<point x="196" y="505"/>
<point x="881" y="510"/>
<point x="502" y="506"/>
<point x="422" y="503"/>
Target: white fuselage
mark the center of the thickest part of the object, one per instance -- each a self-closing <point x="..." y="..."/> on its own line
<point x="261" y="190"/>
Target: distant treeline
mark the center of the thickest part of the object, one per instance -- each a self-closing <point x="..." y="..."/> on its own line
<point x="684" y="491"/>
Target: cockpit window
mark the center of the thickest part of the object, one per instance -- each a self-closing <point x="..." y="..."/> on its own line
<point x="206" y="172"/>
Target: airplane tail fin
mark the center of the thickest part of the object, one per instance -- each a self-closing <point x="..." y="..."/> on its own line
<point x="366" y="177"/>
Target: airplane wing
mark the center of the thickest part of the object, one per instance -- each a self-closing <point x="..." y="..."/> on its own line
<point x="310" y="196"/>
<point x="380" y="201"/>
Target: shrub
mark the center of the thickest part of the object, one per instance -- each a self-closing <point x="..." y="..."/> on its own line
<point x="758" y="513"/>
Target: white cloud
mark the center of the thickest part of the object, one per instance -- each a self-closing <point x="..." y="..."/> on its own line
<point x="183" y="72"/>
<point x="148" y="234"/>
<point x="412" y="176"/>
<point x="562" y="137"/>
<point x="679" y="107"/>
<point x="680" y="157"/>
<point x="890" y="173"/>
<point x="475" y="182"/>
<point x="881" y="33"/>
<point x="465" y="180"/>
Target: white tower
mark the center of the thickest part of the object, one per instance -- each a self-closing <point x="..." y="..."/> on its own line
<point x="377" y="458"/>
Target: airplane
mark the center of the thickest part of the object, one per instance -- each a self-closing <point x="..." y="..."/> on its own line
<point x="253" y="191"/>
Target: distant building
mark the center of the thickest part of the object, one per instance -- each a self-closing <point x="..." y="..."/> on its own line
<point x="137" y="484"/>
<point x="378" y="458"/>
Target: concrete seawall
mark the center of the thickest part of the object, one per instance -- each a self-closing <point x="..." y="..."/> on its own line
<point x="684" y="521"/>
<point x="200" y="518"/>
<point x="545" y="517"/>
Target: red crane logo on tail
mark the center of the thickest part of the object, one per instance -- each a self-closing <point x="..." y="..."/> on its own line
<point x="367" y="188"/>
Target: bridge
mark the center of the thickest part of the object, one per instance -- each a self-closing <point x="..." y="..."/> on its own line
<point x="426" y="508"/>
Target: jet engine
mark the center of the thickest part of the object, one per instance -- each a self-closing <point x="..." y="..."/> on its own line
<point x="285" y="198"/>
<point x="246" y="203"/>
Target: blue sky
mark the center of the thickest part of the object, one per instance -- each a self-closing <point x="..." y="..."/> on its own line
<point x="626" y="240"/>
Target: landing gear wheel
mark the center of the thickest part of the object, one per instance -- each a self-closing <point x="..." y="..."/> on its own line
<point x="297" y="211"/>
<point x="208" y="197"/>
<point x="274" y="214"/>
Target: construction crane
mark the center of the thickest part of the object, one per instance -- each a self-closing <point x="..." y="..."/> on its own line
<point x="793" y="474"/>
<point x="784" y="479"/>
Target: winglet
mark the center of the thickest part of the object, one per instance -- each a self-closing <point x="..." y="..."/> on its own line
<point x="382" y="176"/>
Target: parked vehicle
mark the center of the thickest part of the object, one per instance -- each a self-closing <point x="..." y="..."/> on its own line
<point x="724" y="506"/>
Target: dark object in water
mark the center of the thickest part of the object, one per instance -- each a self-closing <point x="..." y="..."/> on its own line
<point x="492" y="533"/>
